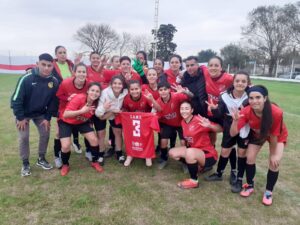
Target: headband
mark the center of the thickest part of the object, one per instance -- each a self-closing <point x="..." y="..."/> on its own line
<point x="259" y="89"/>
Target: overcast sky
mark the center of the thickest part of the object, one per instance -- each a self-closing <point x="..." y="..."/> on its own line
<point x="30" y="27"/>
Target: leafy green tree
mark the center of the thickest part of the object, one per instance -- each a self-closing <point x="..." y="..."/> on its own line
<point x="205" y="55"/>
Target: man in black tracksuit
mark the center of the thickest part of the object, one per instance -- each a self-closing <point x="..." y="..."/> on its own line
<point x="33" y="100"/>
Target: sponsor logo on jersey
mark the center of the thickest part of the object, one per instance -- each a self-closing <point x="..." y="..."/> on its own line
<point x="50" y="84"/>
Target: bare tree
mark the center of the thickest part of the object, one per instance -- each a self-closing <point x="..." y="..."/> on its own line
<point x="124" y="43"/>
<point x="140" y="42"/>
<point x="269" y="31"/>
<point x="99" y="38"/>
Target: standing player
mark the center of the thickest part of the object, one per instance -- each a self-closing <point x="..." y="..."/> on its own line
<point x="266" y="123"/>
<point x="199" y="151"/>
<point x="135" y="101"/>
<point x="173" y="74"/>
<point x="235" y="97"/>
<point x="78" y="113"/>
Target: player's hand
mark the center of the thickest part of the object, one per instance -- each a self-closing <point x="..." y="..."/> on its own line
<point x="178" y="88"/>
<point x="274" y="161"/>
<point x="87" y="108"/>
<point x="204" y="122"/>
<point x="78" y="58"/>
<point x="107" y="104"/>
<point x="236" y="114"/>
<point x="46" y="124"/>
<point x="21" y="125"/>
<point x="148" y="95"/>
<point x="102" y="63"/>
<point x="211" y="105"/>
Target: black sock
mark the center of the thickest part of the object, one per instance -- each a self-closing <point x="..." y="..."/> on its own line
<point x="95" y="153"/>
<point x="87" y="145"/>
<point x="119" y="153"/>
<point x="250" y="173"/>
<point x="57" y="147"/>
<point x="101" y="154"/>
<point x="182" y="160"/>
<point x="75" y="136"/>
<point x="65" y="156"/>
<point x="164" y="154"/>
<point x="173" y="140"/>
<point x="25" y="162"/>
<point x="232" y="158"/>
<point x="221" y="165"/>
<point x="193" y="170"/>
<point x="241" y="167"/>
<point x="271" y="179"/>
<point x="111" y="137"/>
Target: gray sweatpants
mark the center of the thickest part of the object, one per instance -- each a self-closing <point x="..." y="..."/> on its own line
<point x="24" y="138"/>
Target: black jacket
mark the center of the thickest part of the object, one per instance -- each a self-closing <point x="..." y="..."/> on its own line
<point x="196" y="85"/>
<point x="34" y="96"/>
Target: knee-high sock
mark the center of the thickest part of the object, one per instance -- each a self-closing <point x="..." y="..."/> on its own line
<point x="232" y="158"/>
<point x="271" y="179"/>
<point x="193" y="170"/>
<point x="250" y="173"/>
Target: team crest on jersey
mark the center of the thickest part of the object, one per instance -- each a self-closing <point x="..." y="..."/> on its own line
<point x="191" y="127"/>
<point x="50" y="84"/>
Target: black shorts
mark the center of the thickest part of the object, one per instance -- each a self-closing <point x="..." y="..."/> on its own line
<point x="114" y="125"/>
<point x="209" y="162"/>
<point x="65" y="129"/>
<point x="216" y="120"/>
<point x="255" y="140"/>
<point x="228" y="141"/>
<point x="167" y="131"/>
<point x="99" y="124"/>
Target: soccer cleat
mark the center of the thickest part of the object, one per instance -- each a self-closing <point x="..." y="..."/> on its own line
<point x="233" y="177"/>
<point x="149" y="162"/>
<point x="188" y="184"/>
<point x="237" y="187"/>
<point x="247" y="190"/>
<point x="162" y="164"/>
<point x="267" y="198"/>
<point x="109" y="153"/>
<point x="128" y="161"/>
<point x="64" y="170"/>
<point x="121" y="159"/>
<point x="42" y="162"/>
<point x="213" y="177"/>
<point x="101" y="161"/>
<point x="97" y="167"/>
<point x="25" y="171"/>
<point x="88" y="156"/>
<point x="58" y="162"/>
<point x="77" y="148"/>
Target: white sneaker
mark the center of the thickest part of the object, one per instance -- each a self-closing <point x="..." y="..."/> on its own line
<point x="77" y="148"/>
<point x="149" y="162"/>
<point x="57" y="162"/>
<point x="128" y="161"/>
<point x="88" y="156"/>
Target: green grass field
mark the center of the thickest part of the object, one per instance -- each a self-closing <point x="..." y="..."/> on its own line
<point x="140" y="195"/>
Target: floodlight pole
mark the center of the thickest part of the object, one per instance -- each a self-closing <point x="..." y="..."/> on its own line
<point x="155" y="28"/>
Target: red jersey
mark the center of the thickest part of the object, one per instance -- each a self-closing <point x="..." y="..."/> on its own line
<point x="170" y="111"/>
<point x="155" y="94"/>
<point x="77" y="103"/>
<point x="141" y="105"/>
<point x="138" y="133"/>
<point x="171" y="77"/>
<point x="278" y="127"/>
<point x="215" y="86"/>
<point x="66" y="89"/>
<point x="197" y="136"/>
<point x="108" y="74"/>
<point x="95" y="76"/>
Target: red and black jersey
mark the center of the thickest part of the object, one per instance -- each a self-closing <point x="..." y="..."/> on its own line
<point x="66" y="89"/>
<point x="170" y="111"/>
<point x="138" y="133"/>
<point x="197" y="136"/>
<point x="154" y="93"/>
<point x="108" y="74"/>
<point x="95" y="76"/>
<point x="249" y="117"/>
<point x="140" y="105"/>
<point x="77" y="103"/>
<point x="171" y="77"/>
<point x="215" y="86"/>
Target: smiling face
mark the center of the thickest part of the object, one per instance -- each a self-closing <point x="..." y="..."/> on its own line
<point x="93" y="93"/>
<point x="152" y="76"/>
<point x="135" y="91"/>
<point x="80" y="74"/>
<point x="95" y="60"/>
<point x="61" y="55"/>
<point x="158" y="66"/>
<point x="125" y="66"/>
<point x="45" y="68"/>
<point x="175" y="64"/>
<point x="115" y="63"/>
<point x="257" y="101"/>
<point x="191" y="67"/>
<point x="240" y="82"/>
<point x="117" y="86"/>
<point x="186" y="111"/>
<point x="214" y="67"/>
<point x="164" y="93"/>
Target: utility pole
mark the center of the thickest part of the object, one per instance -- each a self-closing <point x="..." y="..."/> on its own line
<point x="155" y="28"/>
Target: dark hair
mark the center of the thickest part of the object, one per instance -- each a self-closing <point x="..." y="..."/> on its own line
<point x="145" y="56"/>
<point x="121" y="78"/>
<point x="78" y="65"/>
<point x="123" y="58"/>
<point x="92" y="53"/>
<point x="191" y="58"/>
<point x="163" y="84"/>
<point x="241" y="72"/>
<point x="131" y="82"/>
<point x="58" y="47"/>
<point x="162" y="61"/>
<point x="178" y="57"/>
<point x="95" y="84"/>
<point x="188" y="102"/>
<point x="218" y="58"/>
<point x="266" y="119"/>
